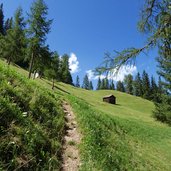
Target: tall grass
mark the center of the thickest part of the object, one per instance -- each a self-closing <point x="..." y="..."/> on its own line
<point x="111" y="143"/>
<point x="31" y="124"/>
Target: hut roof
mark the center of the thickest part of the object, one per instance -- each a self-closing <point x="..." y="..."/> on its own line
<point x="111" y="95"/>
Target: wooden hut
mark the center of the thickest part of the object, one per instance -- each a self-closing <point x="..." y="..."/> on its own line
<point x="110" y="99"/>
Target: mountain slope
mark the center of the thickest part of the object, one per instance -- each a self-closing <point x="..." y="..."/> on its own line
<point x="115" y="137"/>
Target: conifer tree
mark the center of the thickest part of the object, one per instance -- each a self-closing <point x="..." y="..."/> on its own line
<point x="153" y="90"/>
<point x="52" y="72"/>
<point x="15" y="40"/>
<point x="102" y="86"/>
<point x="91" y="85"/>
<point x="106" y="83"/>
<point x="138" y="91"/>
<point x="86" y="83"/>
<point x="65" y="70"/>
<point x="120" y="86"/>
<point x="98" y="84"/>
<point x="1" y="20"/>
<point x="129" y="84"/>
<point x="112" y="85"/>
<point x="77" y="84"/>
<point x="146" y="85"/>
<point x="39" y="27"/>
<point x="8" y="25"/>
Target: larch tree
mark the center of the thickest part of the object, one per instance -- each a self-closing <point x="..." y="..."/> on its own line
<point x="1" y="20"/>
<point x="86" y="83"/>
<point x="128" y="81"/>
<point x="137" y="84"/>
<point x="15" y="40"/>
<point x="39" y="27"/>
<point x="77" y="84"/>
<point x="155" y="21"/>
<point x="98" y="84"/>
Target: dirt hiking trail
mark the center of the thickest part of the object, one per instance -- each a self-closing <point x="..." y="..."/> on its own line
<point x="72" y="138"/>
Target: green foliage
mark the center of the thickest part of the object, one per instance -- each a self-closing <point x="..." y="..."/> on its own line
<point x="65" y="70"/>
<point x="39" y="27"/>
<point x="120" y="86"/>
<point x="15" y="41"/>
<point x="98" y="84"/>
<point x="1" y="19"/>
<point x="138" y="87"/>
<point x="32" y="124"/>
<point x="86" y="83"/>
<point x="128" y="81"/>
<point x="146" y="85"/>
<point x="90" y="85"/>
<point x="77" y="84"/>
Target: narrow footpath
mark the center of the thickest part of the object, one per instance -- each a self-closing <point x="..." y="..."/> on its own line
<point x="72" y="138"/>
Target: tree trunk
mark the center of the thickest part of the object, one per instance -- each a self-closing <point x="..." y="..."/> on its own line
<point x="53" y="84"/>
<point x="9" y="60"/>
<point x="31" y="65"/>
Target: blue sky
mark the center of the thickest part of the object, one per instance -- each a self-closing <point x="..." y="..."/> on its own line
<point x="86" y="29"/>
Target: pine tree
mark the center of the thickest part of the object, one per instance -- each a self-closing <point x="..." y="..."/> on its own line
<point x="1" y="20"/>
<point x="106" y="84"/>
<point x="102" y="86"/>
<point x="129" y="84"/>
<point x="154" y="90"/>
<point x="146" y="85"/>
<point x="98" y="84"/>
<point x="91" y="85"/>
<point x="8" y="25"/>
<point x="65" y="71"/>
<point x="138" y="91"/>
<point x="39" y="27"/>
<point x="52" y="72"/>
<point x="15" y="40"/>
<point x="77" y="84"/>
<point x="112" y="85"/>
<point x="120" y="86"/>
<point x="86" y="83"/>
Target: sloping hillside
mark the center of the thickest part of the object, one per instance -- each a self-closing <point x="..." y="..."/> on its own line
<point x="119" y="137"/>
<point x="31" y="124"/>
<point x="115" y="137"/>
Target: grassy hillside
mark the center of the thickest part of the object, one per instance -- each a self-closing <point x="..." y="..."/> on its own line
<point x="31" y="124"/>
<point x="115" y="137"/>
<point x="120" y="137"/>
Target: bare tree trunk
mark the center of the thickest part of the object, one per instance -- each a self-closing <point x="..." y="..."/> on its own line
<point x="31" y="65"/>
<point x="9" y="60"/>
<point x="53" y="84"/>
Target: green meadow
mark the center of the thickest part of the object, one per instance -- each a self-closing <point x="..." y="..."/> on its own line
<point x="117" y="137"/>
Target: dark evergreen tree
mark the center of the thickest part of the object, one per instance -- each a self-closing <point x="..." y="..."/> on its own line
<point x="138" y="89"/>
<point x="15" y="40"/>
<point x="52" y="72"/>
<point x="154" y="90"/>
<point x="112" y="85"/>
<point x="1" y="20"/>
<point x="86" y="83"/>
<point x="106" y="84"/>
<point x="77" y="84"/>
<point x="128" y="81"/>
<point x="65" y="71"/>
<point x="120" y="86"/>
<point x="102" y="86"/>
<point x="39" y="27"/>
<point x="98" y="84"/>
<point x="90" y="85"/>
<point x="8" y="25"/>
<point x="146" y="85"/>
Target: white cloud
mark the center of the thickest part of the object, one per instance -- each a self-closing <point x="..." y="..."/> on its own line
<point x="73" y="63"/>
<point x="116" y="76"/>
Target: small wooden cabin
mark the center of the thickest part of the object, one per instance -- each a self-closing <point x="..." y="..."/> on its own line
<point x="110" y="99"/>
